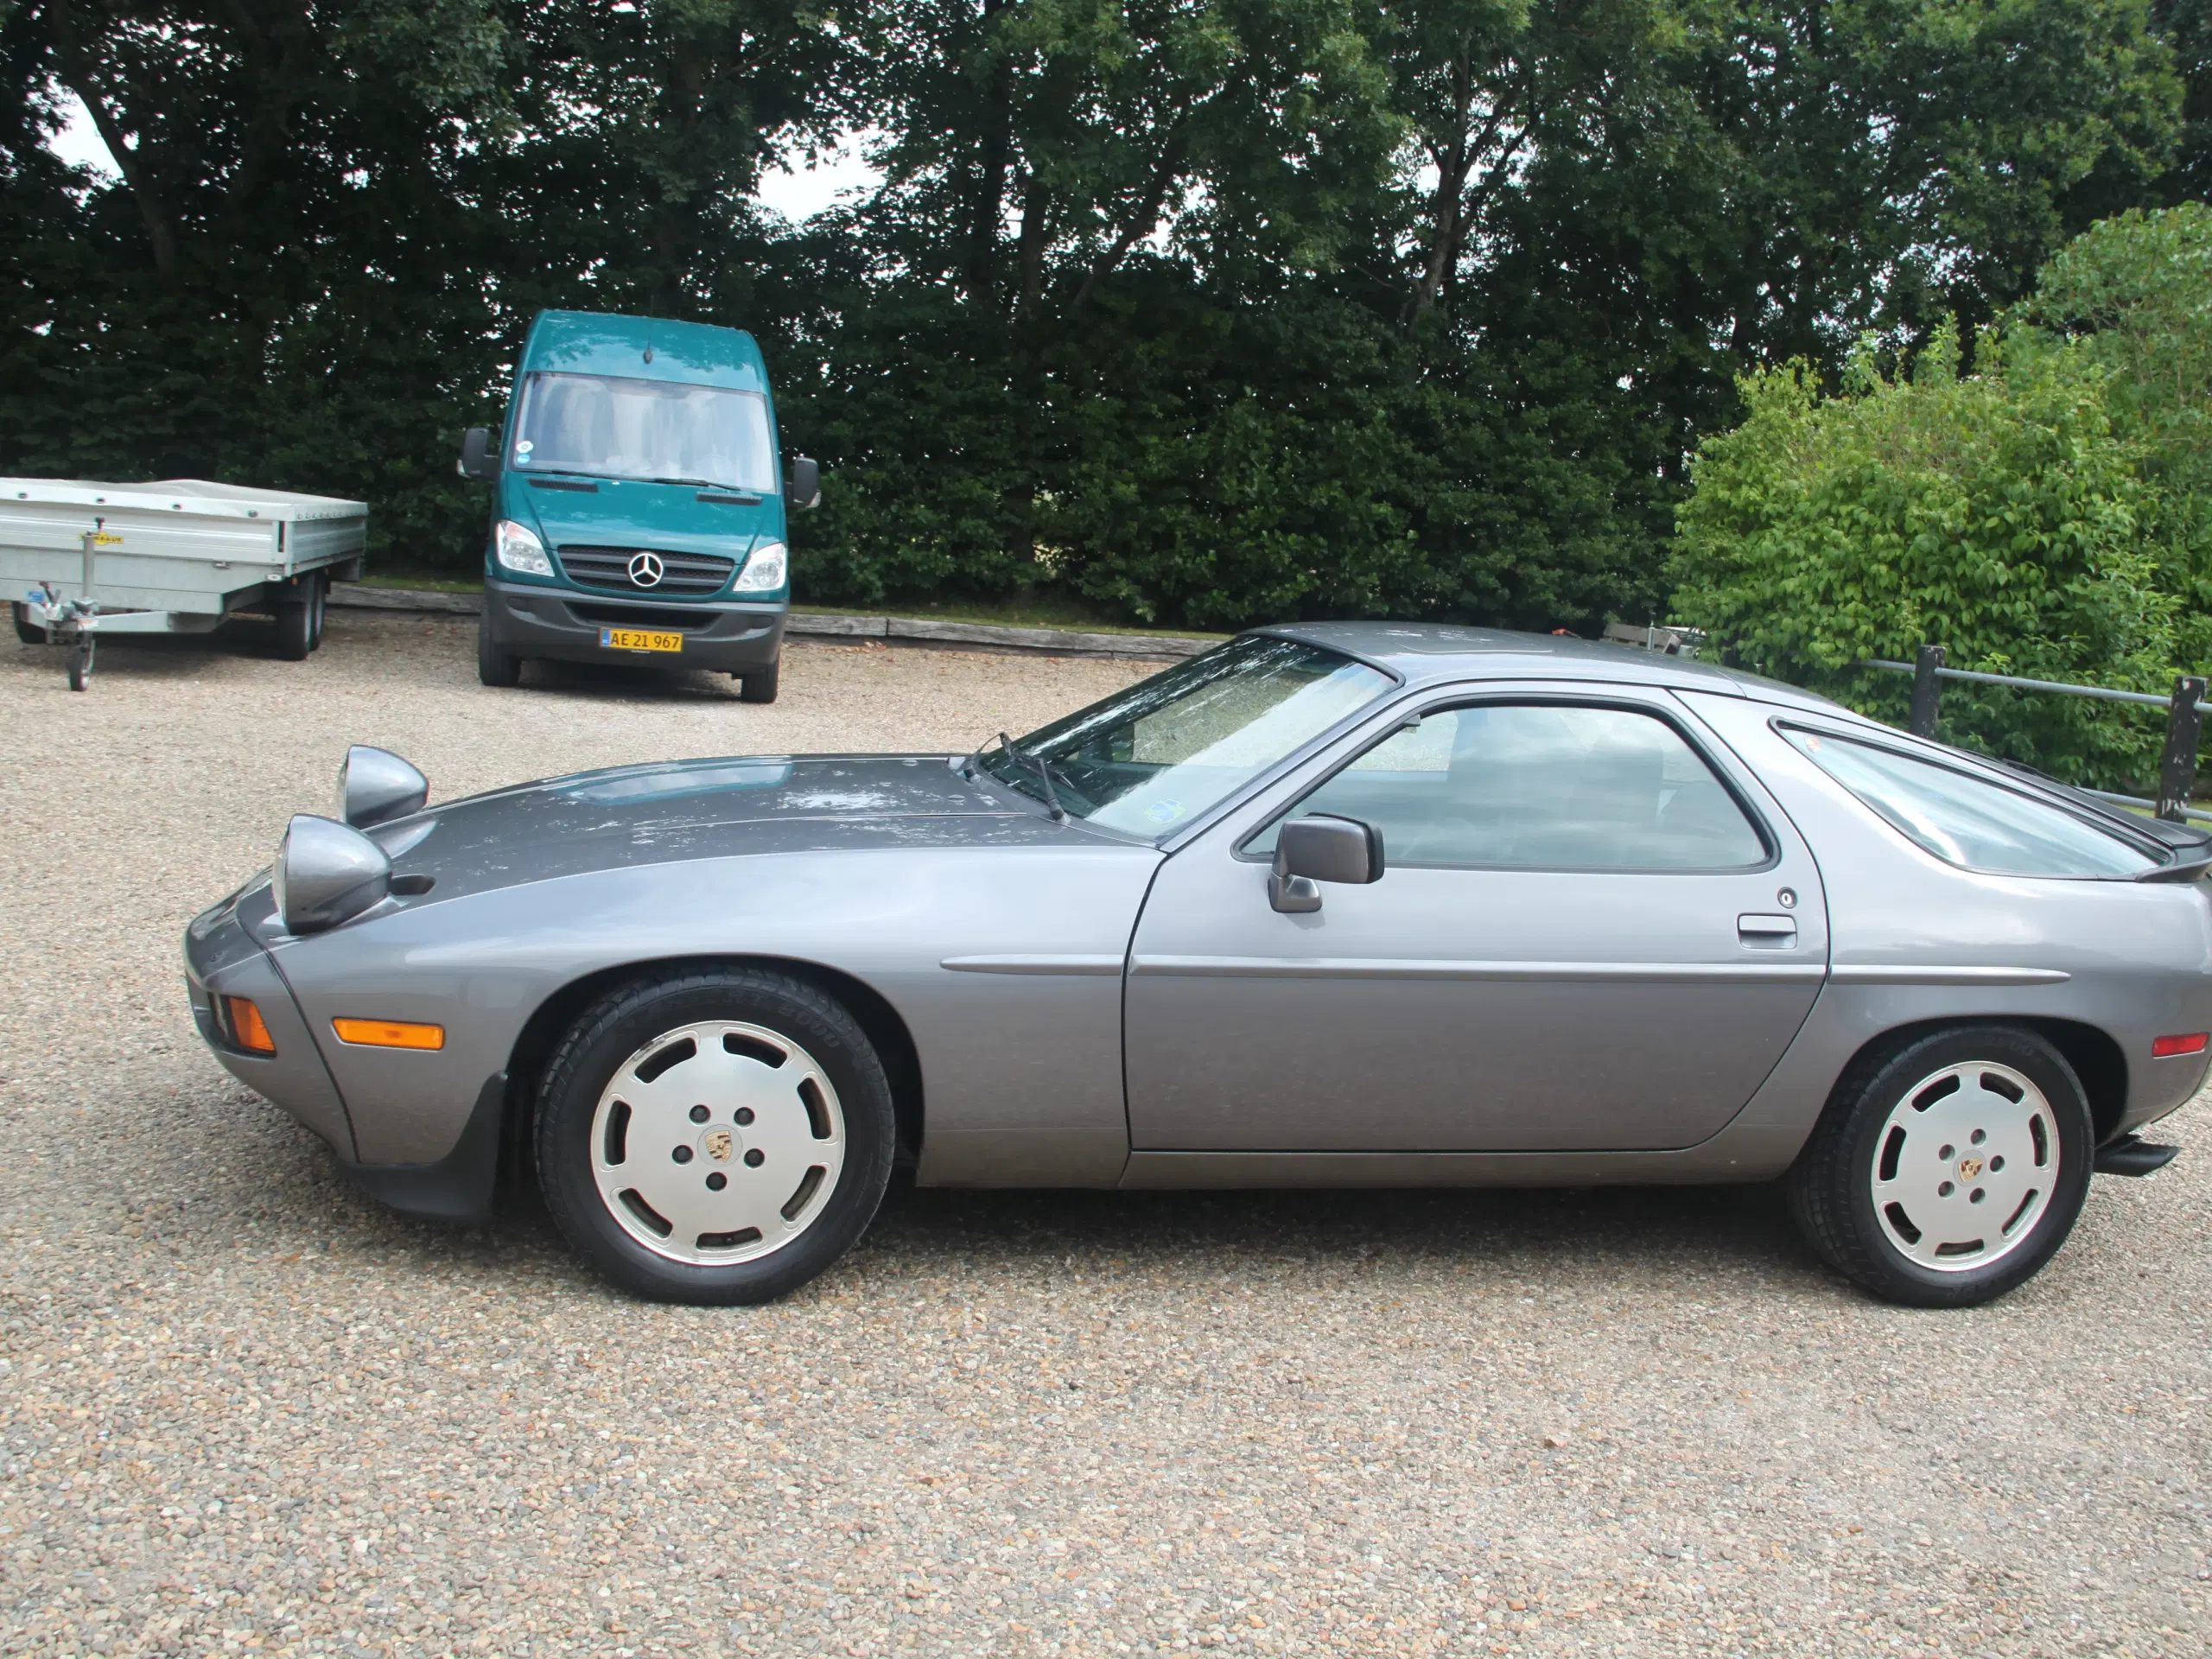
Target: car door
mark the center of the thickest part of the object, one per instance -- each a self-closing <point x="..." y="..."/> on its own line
<point x="1594" y="932"/>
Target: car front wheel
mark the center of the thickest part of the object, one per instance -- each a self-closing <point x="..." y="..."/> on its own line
<point x="1946" y="1173"/>
<point x="715" y="1137"/>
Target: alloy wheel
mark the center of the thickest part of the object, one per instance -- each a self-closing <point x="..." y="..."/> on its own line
<point x="717" y="1142"/>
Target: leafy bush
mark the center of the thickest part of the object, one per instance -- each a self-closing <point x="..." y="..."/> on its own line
<point x="2049" y="516"/>
<point x="1999" y="515"/>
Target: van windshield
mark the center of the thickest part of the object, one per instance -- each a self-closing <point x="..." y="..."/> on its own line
<point x="612" y="426"/>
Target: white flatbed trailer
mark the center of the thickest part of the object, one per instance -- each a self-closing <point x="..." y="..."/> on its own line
<point x="80" y="559"/>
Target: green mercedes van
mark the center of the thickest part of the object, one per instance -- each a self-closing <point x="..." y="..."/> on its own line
<point x="638" y="504"/>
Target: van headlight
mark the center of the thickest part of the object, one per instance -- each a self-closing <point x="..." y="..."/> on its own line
<point x="516" y="547"/>
<point x="765" y="572"/>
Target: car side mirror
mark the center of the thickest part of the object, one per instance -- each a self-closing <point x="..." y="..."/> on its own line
<point x="477" y="460"/>
<point x="803" y="487"/>
<point x="1321" y="847"/>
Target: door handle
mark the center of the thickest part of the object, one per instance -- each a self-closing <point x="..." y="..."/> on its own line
<point x="1771" y="931"/>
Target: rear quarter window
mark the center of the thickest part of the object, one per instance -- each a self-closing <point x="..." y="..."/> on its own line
<point x="1968" y="821"/>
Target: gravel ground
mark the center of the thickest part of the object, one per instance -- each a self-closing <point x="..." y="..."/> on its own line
<point x="244" y="1409"/>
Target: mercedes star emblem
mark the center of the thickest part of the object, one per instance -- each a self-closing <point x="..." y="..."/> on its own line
<point x="646" y="569"/>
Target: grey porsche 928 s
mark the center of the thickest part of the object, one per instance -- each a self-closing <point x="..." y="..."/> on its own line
<point x="1330" y="905"/>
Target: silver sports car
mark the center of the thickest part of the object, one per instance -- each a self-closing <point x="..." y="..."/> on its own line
<point x="1330" y="905"/>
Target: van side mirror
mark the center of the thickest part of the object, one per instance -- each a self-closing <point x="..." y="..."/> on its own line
<point x="803" y="486"/>
<point x="477" y="460"/>
<point x="1321" y="848"/>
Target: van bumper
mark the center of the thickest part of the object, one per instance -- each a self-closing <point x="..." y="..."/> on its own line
<point x="559" y="624"/>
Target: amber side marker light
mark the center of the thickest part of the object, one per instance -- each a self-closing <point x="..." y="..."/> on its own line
<point x="389" y="1034"/>
<point x="2165" y="1047"/>
<point x="248" y="1030"/>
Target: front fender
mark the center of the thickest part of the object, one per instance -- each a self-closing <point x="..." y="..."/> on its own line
<point x="1022" y="1063"/>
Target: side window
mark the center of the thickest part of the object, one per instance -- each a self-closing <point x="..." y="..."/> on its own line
<point x="1540" y="787"/>
<point x="1964" y="820"/>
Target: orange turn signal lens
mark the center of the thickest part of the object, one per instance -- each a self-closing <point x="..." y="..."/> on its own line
<point x="389" y="1034"/>
<point x="2162" y="1048"/>
<point x="248" y="1029"/>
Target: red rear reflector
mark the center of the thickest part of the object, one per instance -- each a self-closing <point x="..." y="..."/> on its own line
<point x="249" y="1031"/>
<point x="2193" y="1043"/>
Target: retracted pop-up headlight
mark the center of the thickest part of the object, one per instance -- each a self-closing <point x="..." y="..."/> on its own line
<point x="327" y="873"/>
<point x="375" y="786"/>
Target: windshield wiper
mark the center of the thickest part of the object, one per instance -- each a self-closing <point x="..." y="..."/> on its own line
<point x="706" y="484"/>
<point x="1044" y="772"/>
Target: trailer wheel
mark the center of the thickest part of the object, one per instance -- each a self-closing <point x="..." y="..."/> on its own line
<point x="26" y="630"/>
<point x="80" y="663"/>
<point x="493" y="666"/>
<point x="758" y="686"/>
<point x="295" y="630"/>
<point x="318" y="592"/>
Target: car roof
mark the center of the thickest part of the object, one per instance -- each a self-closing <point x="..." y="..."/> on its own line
<point x="1424" y="652"/>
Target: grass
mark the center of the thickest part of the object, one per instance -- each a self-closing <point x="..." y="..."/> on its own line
<point x="1033" y="611"/>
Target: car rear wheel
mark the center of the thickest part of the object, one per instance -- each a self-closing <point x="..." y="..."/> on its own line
<point x="1946" y="1173"/>
<point x="493" y="666"/>
<point x="717" y="1137"/>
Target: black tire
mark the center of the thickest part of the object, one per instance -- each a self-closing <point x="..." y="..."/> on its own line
<point x="26" y="630"/>
<point x="1833" y="1186"/>
<point x="493" y="666"/>
<point x="612" y="1032"/>
<point x="759" y="685"/>
<point x="80" y="662"/>
<point x="295" y="630"/>
<point x="318" y="591"/>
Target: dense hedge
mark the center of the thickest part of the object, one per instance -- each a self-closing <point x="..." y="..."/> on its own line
<point x="1193" y="314"/>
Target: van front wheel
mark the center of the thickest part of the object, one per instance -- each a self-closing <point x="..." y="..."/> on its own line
<point x="493" y="666"/>
<point x="759" y="685"/>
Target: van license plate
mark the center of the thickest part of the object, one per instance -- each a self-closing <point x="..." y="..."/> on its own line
<point x="640" y="639"/>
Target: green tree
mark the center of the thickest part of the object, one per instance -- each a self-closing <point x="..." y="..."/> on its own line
<point x="1191" y="310"/>
<point x="2134" y="295"/>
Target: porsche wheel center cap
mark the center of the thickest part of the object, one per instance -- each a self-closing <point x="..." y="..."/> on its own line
<point x="1968" y="1168"/>
<point x="718" y="1146"/>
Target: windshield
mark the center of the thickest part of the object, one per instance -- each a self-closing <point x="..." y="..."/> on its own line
<point x="1966" y="821"/>
<point x="615" y="427"/>
<point x="1155" y="755"/>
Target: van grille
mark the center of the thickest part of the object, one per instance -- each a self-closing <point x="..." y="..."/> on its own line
<point x="683" y="575"/>
<point x="643" y="616"/>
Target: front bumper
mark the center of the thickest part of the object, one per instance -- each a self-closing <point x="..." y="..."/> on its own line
<point x="223" y="957"/>
<point x="529" y="620"/>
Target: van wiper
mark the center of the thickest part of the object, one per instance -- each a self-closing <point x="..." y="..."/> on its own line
<point x="1044" y="772"/>
<point x="706" y="484"/>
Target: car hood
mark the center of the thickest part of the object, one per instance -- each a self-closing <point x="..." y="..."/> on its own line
<point x="634" y="513"/>
<point x="676" y="811"/>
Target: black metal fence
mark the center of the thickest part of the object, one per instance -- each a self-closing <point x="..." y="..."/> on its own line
<point x="2185" y="710"/>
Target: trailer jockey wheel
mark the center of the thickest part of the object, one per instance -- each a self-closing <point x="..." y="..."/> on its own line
<point x="80" y="662"/>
